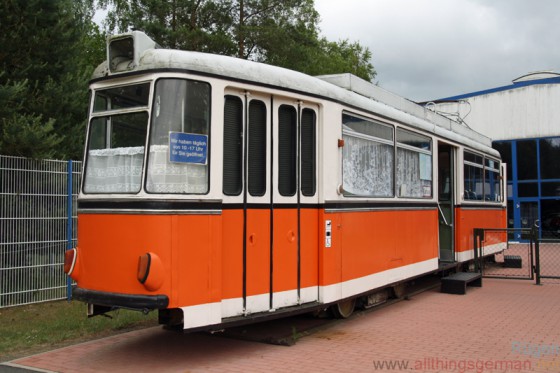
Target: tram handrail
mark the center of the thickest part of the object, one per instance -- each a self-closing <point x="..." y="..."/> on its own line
<point x="443" y="216"/>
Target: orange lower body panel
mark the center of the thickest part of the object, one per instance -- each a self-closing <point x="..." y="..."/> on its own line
<point x="210" y="258"/>
<point x="372" y="242"/>
<point x="467" y="219"/>
<point x="189" y="247"/>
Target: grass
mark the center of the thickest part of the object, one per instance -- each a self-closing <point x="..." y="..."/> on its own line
<point x="34" y="328"/>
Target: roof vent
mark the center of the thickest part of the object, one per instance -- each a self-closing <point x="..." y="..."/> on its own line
<point x="536" y="75"/>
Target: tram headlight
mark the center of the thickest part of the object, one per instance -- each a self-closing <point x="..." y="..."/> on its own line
<point x="150" y="271"/>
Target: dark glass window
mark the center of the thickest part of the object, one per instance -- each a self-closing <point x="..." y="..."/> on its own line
<point x="122" y="97"/>
<point x="527" y="160"/>
<point x="550" y="189"/>
<point x="354" y="124"/>
<point x="473" y="158"/>
<point x="550" y="218"/>
<point x="492" y="181"/>
<point x="550" y="155"/>
<point x="287" y="149"/>
<point x="257" y="148"/>
<point x="412" y="139"/>
<point x="308" y="151"/>
<point x="233" y="146"/>
<point x="505" y="151"/>
<point x="528" y="189"/>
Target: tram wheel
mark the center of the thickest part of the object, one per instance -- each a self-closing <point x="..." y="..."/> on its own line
<point x="344" y="309"/>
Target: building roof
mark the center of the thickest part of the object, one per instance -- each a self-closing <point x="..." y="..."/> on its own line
<point x="533" y="78"/>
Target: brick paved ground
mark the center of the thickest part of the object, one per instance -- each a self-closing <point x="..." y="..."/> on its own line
<point x="505" y="326"/>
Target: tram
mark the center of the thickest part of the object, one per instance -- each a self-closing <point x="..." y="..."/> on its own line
<point x="218" y="190"/>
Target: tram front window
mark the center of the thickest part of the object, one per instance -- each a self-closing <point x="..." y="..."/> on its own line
<point x="116" y="153"/>
<point x="117" y="137"/>
<point x="179" y="146"/>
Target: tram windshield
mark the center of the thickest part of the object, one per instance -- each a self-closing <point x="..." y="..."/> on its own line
<point x="177" y="145"/>
<point x="178" y="150"/>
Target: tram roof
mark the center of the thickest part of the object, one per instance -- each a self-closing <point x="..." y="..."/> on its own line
<point x="343" y="88"/>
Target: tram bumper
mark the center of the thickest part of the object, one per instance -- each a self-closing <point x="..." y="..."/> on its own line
<point x="100" y="301"/>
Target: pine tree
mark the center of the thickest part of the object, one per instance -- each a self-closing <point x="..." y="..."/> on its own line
<point x="44" y="74"/>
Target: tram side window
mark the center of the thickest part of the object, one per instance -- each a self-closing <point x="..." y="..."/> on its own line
<point x="179" y="144"/>
<point x="368" y="157"/>
<point x="492" y="180"/>
<point x="414" y="165"/>
<point x="308" y="151"/>
<point x="233" y="146"/>
<point x="287" y="141"/>
<point x="473" y="174"/>
<point x="256" y="165"/>
<point x="482" y="178"/>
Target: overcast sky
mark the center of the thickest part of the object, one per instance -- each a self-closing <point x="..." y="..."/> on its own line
<point x="429" y="49"/>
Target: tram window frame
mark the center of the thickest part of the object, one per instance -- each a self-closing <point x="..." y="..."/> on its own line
<point x="492" y="180"/>
<point x="308" y="143"/>
<point x="123" y="97"/>
<point x="473" y="176"/>
<point x="287" y="150"/>
<point x="108" y="155"/>
<point x="484" y="174"/>
<point x="232" y="172"/>
<point x="184" y="176"/>
<point x="414" y="180"/>
<point x="378" y="140"/>
<point x="257" y="148"/>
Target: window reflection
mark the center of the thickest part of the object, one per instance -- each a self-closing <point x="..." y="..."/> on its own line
<point x="527" y="160"/>
<point x="549" y="150"/>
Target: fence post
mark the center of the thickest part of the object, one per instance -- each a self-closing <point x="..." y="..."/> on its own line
<point x="535" y="238"/>
<point x="69" y="232"/>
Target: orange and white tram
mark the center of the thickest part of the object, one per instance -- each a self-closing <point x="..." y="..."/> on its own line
<point x="217" y="190"/>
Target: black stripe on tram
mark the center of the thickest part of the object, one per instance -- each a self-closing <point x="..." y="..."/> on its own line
<point x="149" y="205"/>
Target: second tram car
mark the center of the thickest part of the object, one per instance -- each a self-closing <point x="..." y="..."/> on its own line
<point x="218" y="190"/>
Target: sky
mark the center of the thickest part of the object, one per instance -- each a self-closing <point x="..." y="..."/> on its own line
<point x="429" y="49"/>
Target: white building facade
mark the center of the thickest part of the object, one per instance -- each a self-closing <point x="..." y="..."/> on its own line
<point x="523" y="121"/>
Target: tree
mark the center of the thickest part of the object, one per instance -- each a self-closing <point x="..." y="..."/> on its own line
<point x="200" y="25"/>
<point x="49" y="49"/>
<point x="279" y="32"/>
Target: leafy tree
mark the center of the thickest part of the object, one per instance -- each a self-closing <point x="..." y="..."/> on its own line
<point x="279" y="32"/>
<point x="49" y="49"/>
<point x="200" y="25"/>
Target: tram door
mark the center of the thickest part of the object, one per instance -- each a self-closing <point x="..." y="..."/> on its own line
<point x="446" y="188"/>
<point x="294" y="216"/>
<point x="269" y="177"/>
<point x="257" y="203"/>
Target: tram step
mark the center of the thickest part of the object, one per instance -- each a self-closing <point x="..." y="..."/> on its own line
<point x="457" y="282"/>
<point x="512" y="261"/>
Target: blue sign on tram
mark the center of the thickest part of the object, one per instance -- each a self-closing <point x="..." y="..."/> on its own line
<point x="188" y="148"/>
